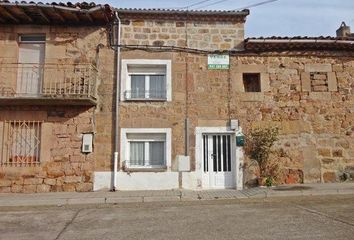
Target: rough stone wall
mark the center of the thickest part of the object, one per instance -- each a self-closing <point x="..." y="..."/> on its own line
<point x="205" y="35"/>
<point x="63" y="167"/>
<point x="316" y="127"/>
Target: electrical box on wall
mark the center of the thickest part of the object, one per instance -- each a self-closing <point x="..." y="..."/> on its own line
<point x="233" y="124"/>
<point x="87" y="142"/>
<point x="184" y="163"/>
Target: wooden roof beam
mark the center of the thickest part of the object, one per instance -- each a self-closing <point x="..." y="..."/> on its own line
<point x="89" y="17"/>
<point x="106" y="17"/>
<point x="43" y="15"/>
<point x="25" y="14"/>
<point x="59" y="15"/>
<point x="2" y="20"/>
<point x="75" y="17"/>
<point x="9" y="15"/>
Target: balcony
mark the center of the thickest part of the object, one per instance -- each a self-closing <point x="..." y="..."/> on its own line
<point x="48" y="84"/>
<point x="151" y="95"/>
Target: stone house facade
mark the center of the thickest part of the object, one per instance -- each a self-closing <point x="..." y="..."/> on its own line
<point x="178" y="115"/>
<point x="304" y="86"/>
<point x="56" y="76"/>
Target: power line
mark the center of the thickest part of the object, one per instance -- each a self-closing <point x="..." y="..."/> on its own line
<point x="211" y="4"/>
<point x="241" y="8"/>
<point x="195" y="4"/>
<point x="255" y="5"/>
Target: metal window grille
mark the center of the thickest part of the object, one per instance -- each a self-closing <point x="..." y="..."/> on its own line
<point x="21" y="143"/>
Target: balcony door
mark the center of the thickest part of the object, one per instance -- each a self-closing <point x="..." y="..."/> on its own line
<point x="30" y="67"/>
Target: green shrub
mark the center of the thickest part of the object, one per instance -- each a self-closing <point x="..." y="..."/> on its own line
<point x="259" y="144"/>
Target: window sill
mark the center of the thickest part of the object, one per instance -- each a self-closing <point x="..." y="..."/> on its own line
<point x="322" y="96"/>
<point x="145" y="100"/>
<point x="252" y="96"/>
<point x="145" y="169"/>
<point x="22" y="168"/>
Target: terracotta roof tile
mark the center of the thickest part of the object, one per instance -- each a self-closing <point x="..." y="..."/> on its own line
<point x="299" y="43"/>
<point x="178" y="14"/>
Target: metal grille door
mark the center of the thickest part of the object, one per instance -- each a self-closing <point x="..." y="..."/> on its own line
<point x="218" y="160"/>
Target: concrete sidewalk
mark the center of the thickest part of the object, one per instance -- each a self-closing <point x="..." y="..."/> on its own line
<point x="65" y="198"/>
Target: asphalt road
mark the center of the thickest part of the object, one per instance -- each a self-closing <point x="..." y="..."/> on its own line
<point x="326" y="217"/>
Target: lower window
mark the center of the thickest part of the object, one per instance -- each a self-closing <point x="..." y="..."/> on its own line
<point x="147" y="154"/>
<point x="146" y="150"/>
<point x="21" y="145"/>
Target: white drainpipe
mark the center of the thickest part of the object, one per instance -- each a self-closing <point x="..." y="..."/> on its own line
<point x="116" y="133"/>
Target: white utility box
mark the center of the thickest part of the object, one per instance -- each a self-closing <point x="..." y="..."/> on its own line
<point x="87" y="142"/>
<point x="184" y="163"/>
<point x="233" y="124"/>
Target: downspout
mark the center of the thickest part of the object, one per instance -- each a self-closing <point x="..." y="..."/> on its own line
<point x="116" y="127"/>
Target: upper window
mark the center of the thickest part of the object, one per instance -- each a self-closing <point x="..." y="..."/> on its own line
<point x="147" y="80"/>
<point x="32" y="38"/>
<point x="252" y="82"/>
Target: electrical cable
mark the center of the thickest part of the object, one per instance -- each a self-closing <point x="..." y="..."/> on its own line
<point x="195" y="4"/>
<point x="255" y="5"/>
<point x="238" y="9"/>
<point x="211" y="4"/>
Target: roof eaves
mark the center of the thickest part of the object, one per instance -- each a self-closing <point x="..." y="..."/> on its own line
<point x="104" y="12"/>
<point x="299" y="43"/>
<point x="171" y="13"/>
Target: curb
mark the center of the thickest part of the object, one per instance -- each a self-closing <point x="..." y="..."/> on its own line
<point x="52" y="201"/>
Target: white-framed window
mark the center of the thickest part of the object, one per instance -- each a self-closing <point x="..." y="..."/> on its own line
<point x="146" y="80"/>
<point x="146" y="148"/>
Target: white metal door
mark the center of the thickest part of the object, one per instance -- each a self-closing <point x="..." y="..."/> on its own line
<point x="218" y="160"/>
<point x="30" y="69"/>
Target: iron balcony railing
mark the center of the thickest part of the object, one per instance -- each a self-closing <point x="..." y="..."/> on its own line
<point x="145" y="95"/>
<point x="20" y="80"/>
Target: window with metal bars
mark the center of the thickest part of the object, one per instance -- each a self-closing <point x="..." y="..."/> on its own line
<point x="21" y="143"/>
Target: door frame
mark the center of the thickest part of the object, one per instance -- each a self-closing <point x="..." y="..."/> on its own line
<point x="211" y="175"/>
<point x="237" y="155"/>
